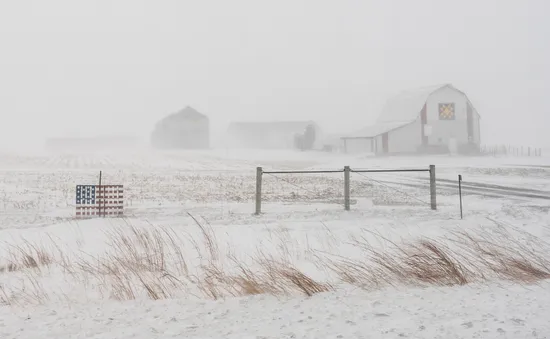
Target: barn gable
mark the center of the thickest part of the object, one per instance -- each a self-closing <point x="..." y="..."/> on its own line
<point x="184" y="129"/>
<point x="186" y="114"/>
<point x="406" y="106"/>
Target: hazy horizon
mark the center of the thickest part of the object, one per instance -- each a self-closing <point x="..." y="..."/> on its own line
<point x="103" y="67"/>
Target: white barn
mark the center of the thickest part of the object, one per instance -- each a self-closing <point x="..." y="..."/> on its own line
<point x="436" y="119"/>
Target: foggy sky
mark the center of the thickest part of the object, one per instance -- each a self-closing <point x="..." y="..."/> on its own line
<point x="103" y="67"/>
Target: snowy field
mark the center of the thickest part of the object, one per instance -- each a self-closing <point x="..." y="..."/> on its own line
<point x="190" y="259"/>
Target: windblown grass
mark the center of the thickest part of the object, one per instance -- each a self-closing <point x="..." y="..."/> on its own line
<point x="160" y="263"/>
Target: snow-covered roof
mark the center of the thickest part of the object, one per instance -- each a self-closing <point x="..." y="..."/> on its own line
<point x="406" y="106"/>
<point x="374" y="130"/>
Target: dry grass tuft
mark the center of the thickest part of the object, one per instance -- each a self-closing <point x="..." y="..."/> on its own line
<point x="213" y="282"/>
<point x="149" y="261"/>
<point x="273" y="277"/>
<point x="430" y="263"/>
<point x="209" y="239"/>
<point x="289" y="275"/>
<point x="285" y="278"/>
<point x="26" y="256"/>
<point x="517" y="257"/>
<point x="465" y="258"/>
<point x="4" y="297"/>
<point x="150" y="250"/>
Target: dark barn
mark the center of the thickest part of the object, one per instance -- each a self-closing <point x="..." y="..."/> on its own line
<point x="185" y="129"/>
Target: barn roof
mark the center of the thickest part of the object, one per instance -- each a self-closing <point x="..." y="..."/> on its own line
<point x="406" y="106"/>
<point x="374" y="130"/>
<point x="188" y="113"/>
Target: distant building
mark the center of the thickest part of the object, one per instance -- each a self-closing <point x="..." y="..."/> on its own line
<point x="185" y="129"/>
<point x="270" y="135"/>
<point x="437" y="119"/>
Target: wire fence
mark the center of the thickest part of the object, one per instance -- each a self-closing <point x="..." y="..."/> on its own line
<point x="296" y="187"/>
<point x="334" y="186"/>
<point x="509" y="150"/>
<point x="387" y="194"/>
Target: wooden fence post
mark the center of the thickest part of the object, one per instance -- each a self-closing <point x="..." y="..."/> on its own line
<point x="433" y="201"/>
<point x="347" y="204"/>
<point x="259" y="173"/>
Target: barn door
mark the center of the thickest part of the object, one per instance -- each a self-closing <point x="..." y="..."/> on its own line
<point x="385" y="146"/>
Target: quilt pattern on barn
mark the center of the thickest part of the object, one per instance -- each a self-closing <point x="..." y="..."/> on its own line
<point x="447" y="111"/>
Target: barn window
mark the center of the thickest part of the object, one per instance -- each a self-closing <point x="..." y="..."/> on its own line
<point x="447" y="111"/>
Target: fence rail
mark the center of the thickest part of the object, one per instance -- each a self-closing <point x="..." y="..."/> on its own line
<point x="302" y="172"/>
<point x="390" y="170"/>
<point x="347" y="170"/>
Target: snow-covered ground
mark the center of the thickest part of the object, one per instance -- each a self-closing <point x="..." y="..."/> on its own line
<point x="493" y="311"/>
<point x="179" y="263"/>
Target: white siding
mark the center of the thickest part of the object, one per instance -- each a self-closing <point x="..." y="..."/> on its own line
<point x="477" y="128"/>
<point x="359" y="145"/>
<point x="443" y="130"/>
<point x="378" y="144"/>
<point x="405" y="139"/>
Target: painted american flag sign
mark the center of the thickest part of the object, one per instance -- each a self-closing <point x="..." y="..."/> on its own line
<point x="95" y="201"/>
